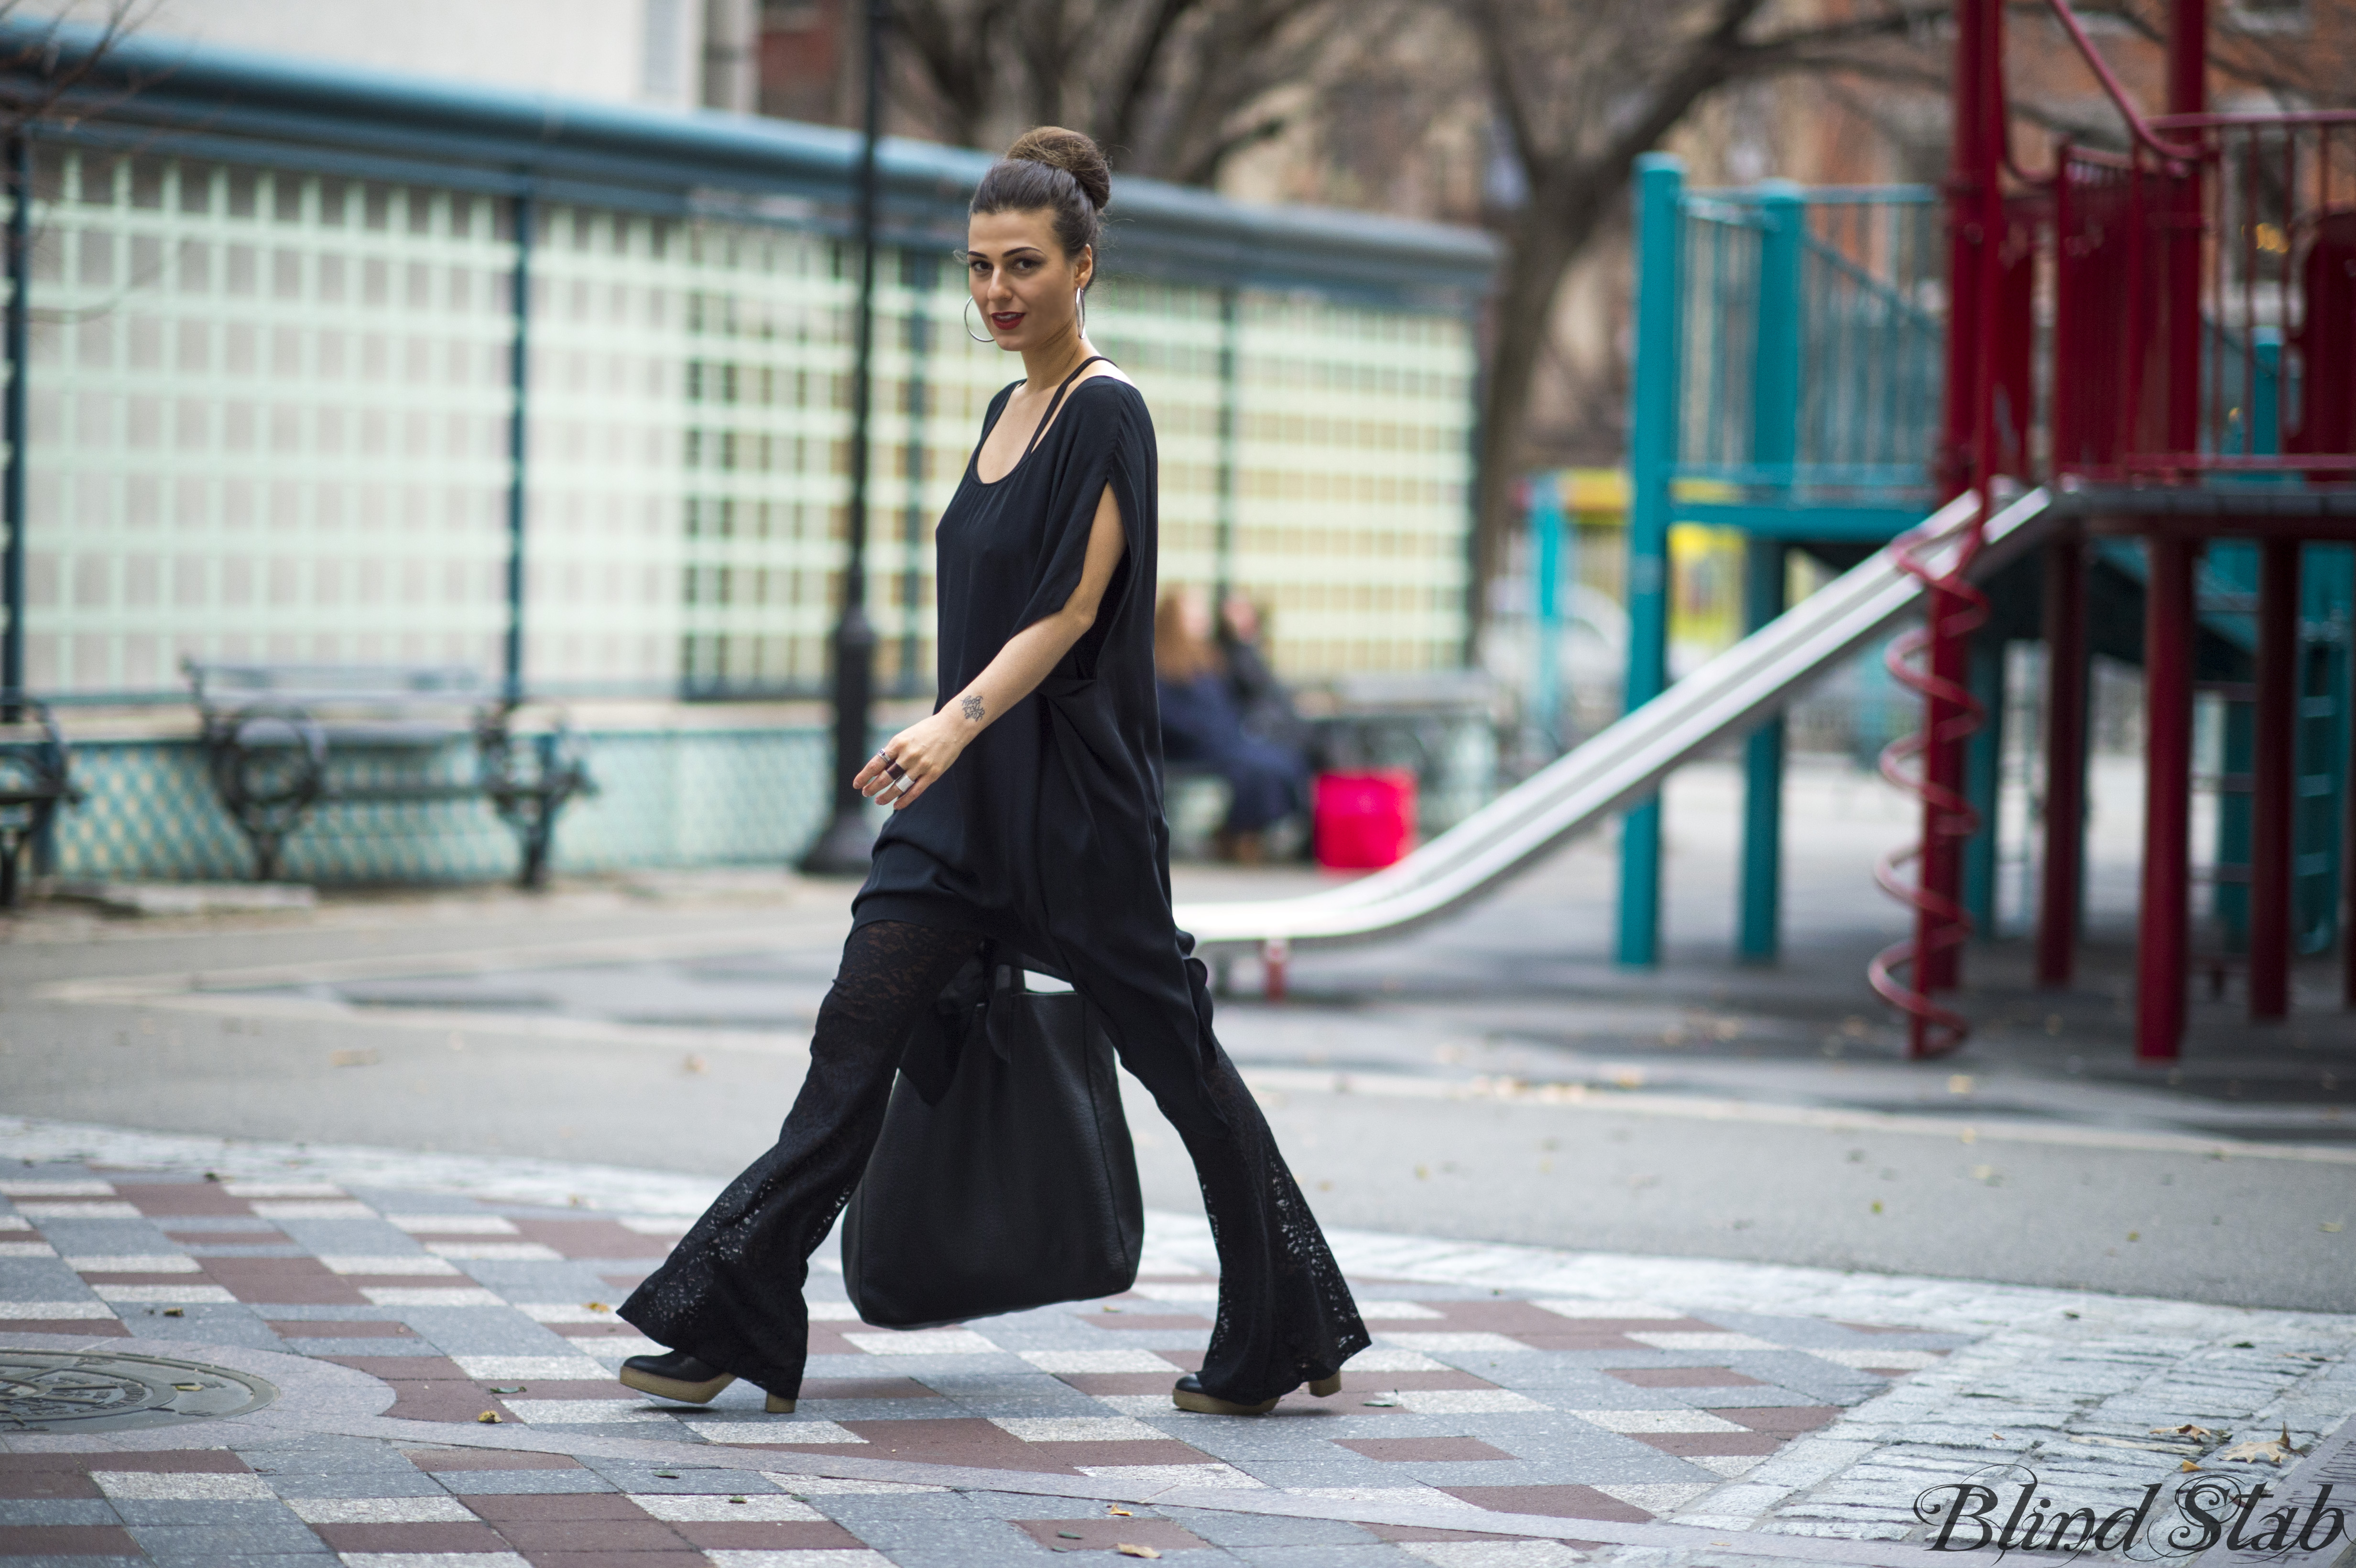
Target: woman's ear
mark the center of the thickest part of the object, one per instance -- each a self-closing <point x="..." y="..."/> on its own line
<point x="1086" y="271"/>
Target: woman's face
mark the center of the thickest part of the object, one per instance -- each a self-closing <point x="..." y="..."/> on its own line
<point x="1022" y="283"/>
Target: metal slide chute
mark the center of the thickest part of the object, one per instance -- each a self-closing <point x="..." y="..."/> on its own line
<point x="1628" y="760"/>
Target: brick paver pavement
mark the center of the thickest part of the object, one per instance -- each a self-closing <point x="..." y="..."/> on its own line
<point x="442" y="1344"/>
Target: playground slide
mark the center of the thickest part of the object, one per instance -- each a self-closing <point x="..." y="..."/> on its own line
<point x="1622" y="763"/>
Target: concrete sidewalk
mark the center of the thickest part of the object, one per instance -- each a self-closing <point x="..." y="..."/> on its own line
<point x="1521" y="1407"/>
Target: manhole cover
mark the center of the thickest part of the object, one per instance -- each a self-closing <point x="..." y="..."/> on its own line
<point x="42" y="1391"/>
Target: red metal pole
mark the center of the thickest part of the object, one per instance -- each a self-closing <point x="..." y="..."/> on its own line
<point x="1976" y="225"/>
<point x="1974" y="228"/>
<point x="2188" y="93"/>
<point x="2065" y="760"/>
<point x="2272" y="784"/>
<point x="2188" y="57"/>
<point x="1947" y="727"/>
<point x="2163" y="938"/>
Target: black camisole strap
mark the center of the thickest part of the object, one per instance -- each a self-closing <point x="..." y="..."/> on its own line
<point x="1053" y="404"/>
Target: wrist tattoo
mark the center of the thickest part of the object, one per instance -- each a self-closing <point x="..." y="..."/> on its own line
<point x="972" y="706"/>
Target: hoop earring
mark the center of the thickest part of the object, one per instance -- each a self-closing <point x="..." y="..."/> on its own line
<point x="966" y="315"/>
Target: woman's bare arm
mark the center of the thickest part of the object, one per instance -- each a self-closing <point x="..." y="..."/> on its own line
<point x="926" y="750"/>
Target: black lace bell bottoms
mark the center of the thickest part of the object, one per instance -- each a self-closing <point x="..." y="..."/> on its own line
<point x="1047" y="838"/>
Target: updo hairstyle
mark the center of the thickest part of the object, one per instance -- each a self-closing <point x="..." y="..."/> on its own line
<point x="1058" y="172"/>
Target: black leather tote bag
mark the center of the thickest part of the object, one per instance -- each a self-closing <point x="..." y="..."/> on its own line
<point x="1004" y="1178"/>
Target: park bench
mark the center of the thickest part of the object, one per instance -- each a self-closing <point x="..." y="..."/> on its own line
<point x="282" y="741"/>
<point x="1441" y="725"/>
<point x="36" y="778"/>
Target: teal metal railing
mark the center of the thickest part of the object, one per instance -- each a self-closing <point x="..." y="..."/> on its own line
<point x="1810" y="345"/>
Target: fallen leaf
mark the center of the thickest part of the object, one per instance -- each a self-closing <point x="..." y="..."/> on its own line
<point x="1877" y="1205"/>
<point x="694" y="1063"/>
<point x="2275" y="1451"/>
<point x="1068" y="1535"/>
<point x="596" y="1307"/>
<point x="517" y="1389"/>
<point x="736" y="1499"/>
<point x="666" y="1475"/>
<point x="176" y="1312"/>
<point x="489" y="1418"/>
<point x="2332" y="1227"/>
<point x="1110" y="1508"/>
<point x="1130" y="1549"/>
<point x="2195" y="1434"/>
<point x="189" y="1388"/>
<point x="2187" y="1465"/>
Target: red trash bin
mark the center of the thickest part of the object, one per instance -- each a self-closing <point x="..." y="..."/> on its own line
<point x="1365" y="820"/>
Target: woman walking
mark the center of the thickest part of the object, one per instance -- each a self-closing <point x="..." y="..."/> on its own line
<point x="1027" y="813"/>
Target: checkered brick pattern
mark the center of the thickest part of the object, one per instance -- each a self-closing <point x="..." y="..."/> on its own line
<point x="1470" y="1399"/>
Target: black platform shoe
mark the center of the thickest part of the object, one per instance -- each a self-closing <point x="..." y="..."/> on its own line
<point x="676" y="1375"/>
<point x="1189" y="1395"/>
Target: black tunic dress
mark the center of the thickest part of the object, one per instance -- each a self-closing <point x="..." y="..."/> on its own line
<point x="1046" y="837"/>
<point x="1048" y="833"/>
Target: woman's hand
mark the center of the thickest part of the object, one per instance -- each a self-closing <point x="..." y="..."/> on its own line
<point x="913" y="759"/>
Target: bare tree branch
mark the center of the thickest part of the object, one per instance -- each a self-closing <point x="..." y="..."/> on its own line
<point x="1190" y="82"/>
<point x="39" y="74"/>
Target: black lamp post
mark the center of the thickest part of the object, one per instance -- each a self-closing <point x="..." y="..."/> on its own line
<point x="846" y="846"/>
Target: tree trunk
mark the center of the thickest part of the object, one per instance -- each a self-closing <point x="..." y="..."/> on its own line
<point x="1545" y="237"/>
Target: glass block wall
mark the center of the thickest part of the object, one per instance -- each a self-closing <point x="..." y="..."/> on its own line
<point x="270" y="416"/>
<point x="267" y="420"/>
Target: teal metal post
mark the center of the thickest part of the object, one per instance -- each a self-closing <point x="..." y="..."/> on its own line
<point x="519" y="437"/>
<point x="2329" y="587"/>
<point x="2265" y="391"/>
<point x="1223" y="549"/>
<point x="1761" y="936"/>
<point x="1774" y="447"/>
<point x="2235" y="565"/>
<point x="1546" y="572"/>
<point x="1984" y="785"/>
<point x="16" y="331"/>
<point x="919" y="270"/>
<point x="1652" y="456"/>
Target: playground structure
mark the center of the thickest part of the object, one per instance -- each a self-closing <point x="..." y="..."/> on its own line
<point x="2154" y="350"/>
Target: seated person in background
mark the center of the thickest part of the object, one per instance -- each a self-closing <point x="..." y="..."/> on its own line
<point x="1200" y="723"/>
<point x="1262" y="699"/>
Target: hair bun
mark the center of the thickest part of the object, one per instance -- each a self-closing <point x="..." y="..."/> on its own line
<point x="1073" y="152"/>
